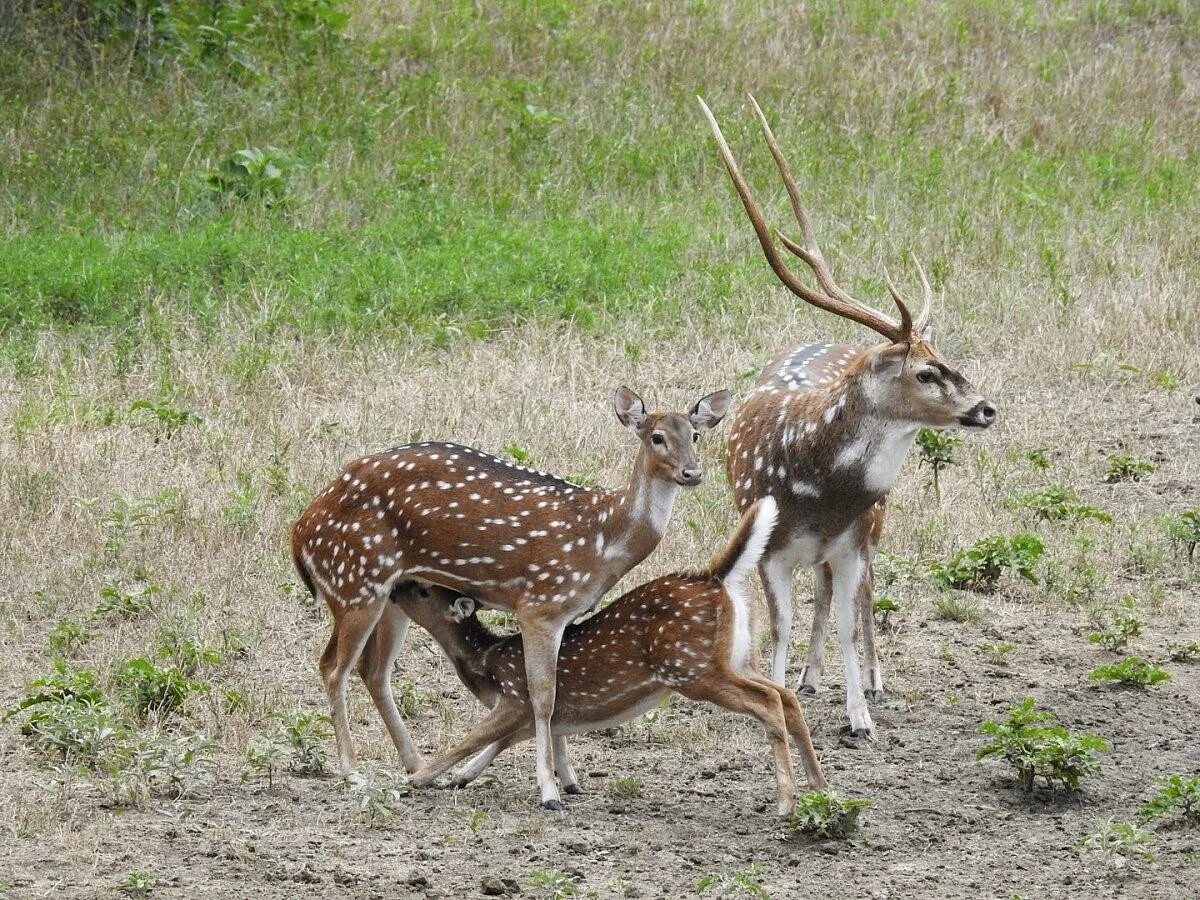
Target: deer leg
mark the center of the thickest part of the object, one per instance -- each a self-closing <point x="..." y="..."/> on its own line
<point x="776" y="573"/>
<point x="541" y="636"/>
<point x="493" y="729"/>
<point x="866" y="623"/>
<point x="481" y="760"/>
<point x="797" y="726"/>
<point x="810" y="675"/>
<point x="375" y="666"/>
<point x="563" y="768"/>
<point x="739" y="694"/>
<point x="350" y="636"/>
<point x="848" y="573"/>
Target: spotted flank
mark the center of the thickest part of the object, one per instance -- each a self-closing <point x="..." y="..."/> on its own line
<point x="814" y="365"/>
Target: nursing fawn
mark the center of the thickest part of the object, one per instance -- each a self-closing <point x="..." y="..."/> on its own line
<point x="509" y="537"/>
<point x="825" y="431"/>
<point x="688" y="634"/>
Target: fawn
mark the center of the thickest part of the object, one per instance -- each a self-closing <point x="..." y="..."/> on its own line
<point x="684" y="633"/>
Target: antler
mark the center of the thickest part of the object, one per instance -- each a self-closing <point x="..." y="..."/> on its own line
<point x="831" y="298"/>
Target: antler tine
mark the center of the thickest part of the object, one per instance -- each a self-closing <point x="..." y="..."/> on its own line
<point x="811" y="253"/>
<point x="906" y="320"/>
<point x="836" y="304"/>
<point x="927" y="302"/>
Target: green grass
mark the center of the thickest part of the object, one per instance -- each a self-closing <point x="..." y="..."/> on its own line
<point x="549" y="162"/>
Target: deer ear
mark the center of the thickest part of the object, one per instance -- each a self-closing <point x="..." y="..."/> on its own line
<point x="461" y="608"/>
<point x="927" y="334"/>
<point x="631" y="411"/>
<point x="709" y="411"/>
<point x="890" y="360"/>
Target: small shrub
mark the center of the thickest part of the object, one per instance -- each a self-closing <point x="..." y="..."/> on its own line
<point x="936" y="450"/>
<point x="1126" y="624"/>
<point x="188" y="655"/>
<point x="742" y="883"/>
<point x="1180" y="652"/>
<point x="1133" y="671"/>
<point x="158" y="767"/>
<point x="1124" y="467"/>
<point x="952" y="608"/>
<point x="998" y="654"/>
<point x="517" y="454"/>
<point x="380" y="796"/>
<point x="884" y="607"/>
<point x="627" y="786"/>
<point x="306" y="734"/>
<point x="554" y="885"/>
<point x="980" y="566"/>
<point x="253" y="174"/>
<point x="1037" y="749"/>
<point x="1178" y="799"/>
<point x="66" y="637"/>
<point x="823" y="814"/>
<point x="138" y="885"/>
<point x="1056" y="503"/>
<point x="1119" y="846"/>
<point x="1184" y="530"/>
<point x="150" y="690"/>
<point x="166" y="416"/>
<point x="1039" y="458"/>
<point x="125" y="602"/>
<point x="265" y="758"/>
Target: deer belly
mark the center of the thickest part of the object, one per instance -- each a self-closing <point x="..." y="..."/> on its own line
<point x="573" y="717"/>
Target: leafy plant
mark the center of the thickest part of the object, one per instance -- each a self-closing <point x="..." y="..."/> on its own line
<point x="1184" y="530"/>
<point x="66" y="637"/>
<point x="980" y="566"/>
<point x="265" y="758"/>
<point x="1133" y="671"/>
<point x="823" y="814"/>
<point x="554" y="884"/>
<point x="1056" y="503"/>
<point x="254" y="173"/>
<point x="158" y="767"/>
<point x="517" y="454"/>
<point x="998" y="654"/>
<point x="627" y="786"/>
<point x="306" y="734"/>
<point x="150" y="690"/>
<point x="1039" y="458"/>
<point x="1184" y="652"/>
<point x="1026" y="741"/>
<point x="743" y="882"/>
<point x="936" y="450"/>
<point x="1120" y="846"/>
<point x="138" y="885"/>
<point x="952" y="608"/>
<point x="883" y="608"/>
<point x="1126" y="624"/>
<point x="69" y="714"/>
<point x="1178" y="799"/>
<point x="1124" y="467"/>
<point x="125" y="602"/>
<point x="379" y="796"/>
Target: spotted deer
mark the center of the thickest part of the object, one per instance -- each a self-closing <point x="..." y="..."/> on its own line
<point x="688" y="634"/>
<point x="505" y="535"/>
<point x="825" y="431"/>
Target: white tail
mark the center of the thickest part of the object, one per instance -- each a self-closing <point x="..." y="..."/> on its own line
<point x="505" y="535"/>
<point x="680" y="633"/>
<point x="825" y="431"/>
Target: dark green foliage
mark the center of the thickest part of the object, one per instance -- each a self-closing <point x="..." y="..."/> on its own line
<point x="980" y="566"/>
<point x="1056" y="503"/>
<point x="1124" y="467"/>
<point x="1036" y="749"/>
<point x="883" y="608"/>
<point x="1133" y="671"/>
<point x="823" y="814"/>
<point x="153" y="691"/>
<point x="1178" y="800"/>
<point x="936" y="448"/>
<point x="1184" y="529"/>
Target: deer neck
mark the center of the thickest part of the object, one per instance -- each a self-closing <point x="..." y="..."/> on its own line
<point x="863" y="439"/>
<point x="640" y="513"/>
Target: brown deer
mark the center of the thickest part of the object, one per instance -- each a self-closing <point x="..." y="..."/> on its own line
<point x="825" y="431"/>
<point x="509" y="537"/>
<point x="688" y="634"/>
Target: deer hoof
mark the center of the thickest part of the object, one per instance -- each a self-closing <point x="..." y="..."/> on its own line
<point x="861" y="733"/>
<point x="553" y="805"/>
<point x="875" y="695"/>
<point x="806" y="689"/>
<point x="573" y="789"/>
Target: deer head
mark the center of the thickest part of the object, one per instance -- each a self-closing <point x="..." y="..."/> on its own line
<point x="905" y="379"/>
<point x="669" y="439"/>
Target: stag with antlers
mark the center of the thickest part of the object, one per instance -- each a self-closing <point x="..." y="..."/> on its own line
<point x="825" y="431"/>
<point x="503" y="534"/>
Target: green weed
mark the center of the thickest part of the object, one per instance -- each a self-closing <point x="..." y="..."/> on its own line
<point x="1133" y="671"/>
<point x="1184" y="530"/>
<point x="1126" y="624"/>
<point x="1036" y="749"/>
<point x="1119" y="846"/>
<point x="153" y="691"/>
<point x="1056" y="503"/>
<point x="1124" y="467"/>
<point x="935" y="449"/>
<point x="823" y="814"/>
<point x="1177" y="800"/>
<point x="980" y="566"/>
<point x="883" y="608"/>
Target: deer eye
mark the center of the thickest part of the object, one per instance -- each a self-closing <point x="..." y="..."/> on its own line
<point x="657" y="438"/>
<point x="695" y="437"/>
<point x="927" y="376"/>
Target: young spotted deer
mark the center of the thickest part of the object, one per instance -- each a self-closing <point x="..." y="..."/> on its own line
<point x="686" y="633"/>
<point x="825" y="431"/>
<point x="505" y="535"/>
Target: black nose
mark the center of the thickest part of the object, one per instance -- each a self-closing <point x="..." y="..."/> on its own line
<point x="981" y="415"/>
<point x="690" y="475"/>
<point x="987" y="412"/>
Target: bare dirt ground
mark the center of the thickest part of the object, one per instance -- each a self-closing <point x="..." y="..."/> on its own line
<point x="677" y="800"/>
